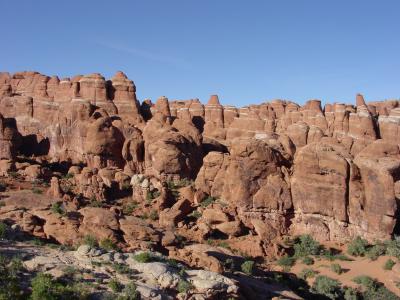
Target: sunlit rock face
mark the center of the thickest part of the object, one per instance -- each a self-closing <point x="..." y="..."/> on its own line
<point x="331" y="170"/>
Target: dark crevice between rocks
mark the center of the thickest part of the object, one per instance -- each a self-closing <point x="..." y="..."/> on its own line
<point x="396" y="229"/>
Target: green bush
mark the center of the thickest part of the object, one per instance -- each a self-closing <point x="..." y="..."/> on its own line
<point x="357" y="247"/>
<point x="184" y="286"/>
<point x="151" y="195"/>
<point x="305" y="245"/>
<point x="153" y="215"/>
<point x="90" y="240"/>
<point x="95" y="203"/>
<point x="248" y="267"/>
<point x="13" y="174"/>
<point x="108" y="245"/>
<point x="375" y="251"/>
<point x="129" y="208"/>
<point x="307" y="273"/>
<point x="129" y="292"/>
<point x="3" y="230"/>
<point x="68" y="176"/>
<point x="393" y="247"/>
<point x="286" y="261"/>
<point x="373" y="289"/>
<point x="207" y="201"/>
<point x="45" y="288"/>
<point x="195" y="214"/>
<point x="327" y="286"/>
<point x="366" y="281"/>
<point x="143" y="257"/>
<point x="381" y="292"/>
<point x="336" y="268"/>
<point x="121" y="268"/>
<point x="9" y="280"/>
<point x="57" y="208"/>
<point x="308" y="260"/>
<point x="115" y="285"/>
<point x="351" y="294"/>
<point x="389" y="264"/>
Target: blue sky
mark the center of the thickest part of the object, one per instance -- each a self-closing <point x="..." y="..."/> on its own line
<point x="244" y="51"/>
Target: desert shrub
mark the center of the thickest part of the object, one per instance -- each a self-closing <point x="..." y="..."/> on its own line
<point x="3" y="230"/>
<point x="195" y="214"/>
<point x="389" y="264"/>
<point x="37" y="242"/>
<point x="336" y="268"/>
<point x="373" y="289"/>
<point x="184" y="182"/>
<point x="108" y="244"/>
<point x="90" y="240"/>
<point x="305" y="245"/>
<point x="381" y="292"/>
<point x="57" y="208"/>
<point x="13" y="174"/>
<point x="36" y="190"/>
<point x="248" y="267"/>
<point x="2" y="203"/>
<point x="44" y="287"/>
<point x="68" y="176"/>
<point x="357" y="247"/>
<point x="129" y="292"/>
<point x="229" y="265"/>
<point x="70" y="271"/>
<point x="121" y="268"/>
<point x="286" y="261"/>
<point x="115" y="285"/>
<point x="351" y="294"/>
<point x="207" y="201"/>
<point x="129" y="208"/>
<point x="307" y="273"/>
<point x="180" y="240"/>
<point x="327" y="286"/>
<point x="366" y="281"/>
<point x="375" y="251"/>
<point x="153" y="215"/>
<point x="151" y="195"/>
<point x="143" y="257"/>
<point x="184" y="286"/>
<point x="393" y="247"/>
<point x="308" y="260"/>
<point x="9" y="281"/>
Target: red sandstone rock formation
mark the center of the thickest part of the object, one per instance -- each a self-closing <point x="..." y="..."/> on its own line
<point x="281" y="168"/>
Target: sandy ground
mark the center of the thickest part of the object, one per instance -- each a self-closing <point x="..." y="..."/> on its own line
<point x="360" y="266"/>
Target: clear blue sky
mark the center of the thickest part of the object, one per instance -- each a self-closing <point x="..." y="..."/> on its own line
<point x="244" y="51"/>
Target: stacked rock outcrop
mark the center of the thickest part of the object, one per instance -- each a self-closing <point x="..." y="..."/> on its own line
<point x="281" y="168"/>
